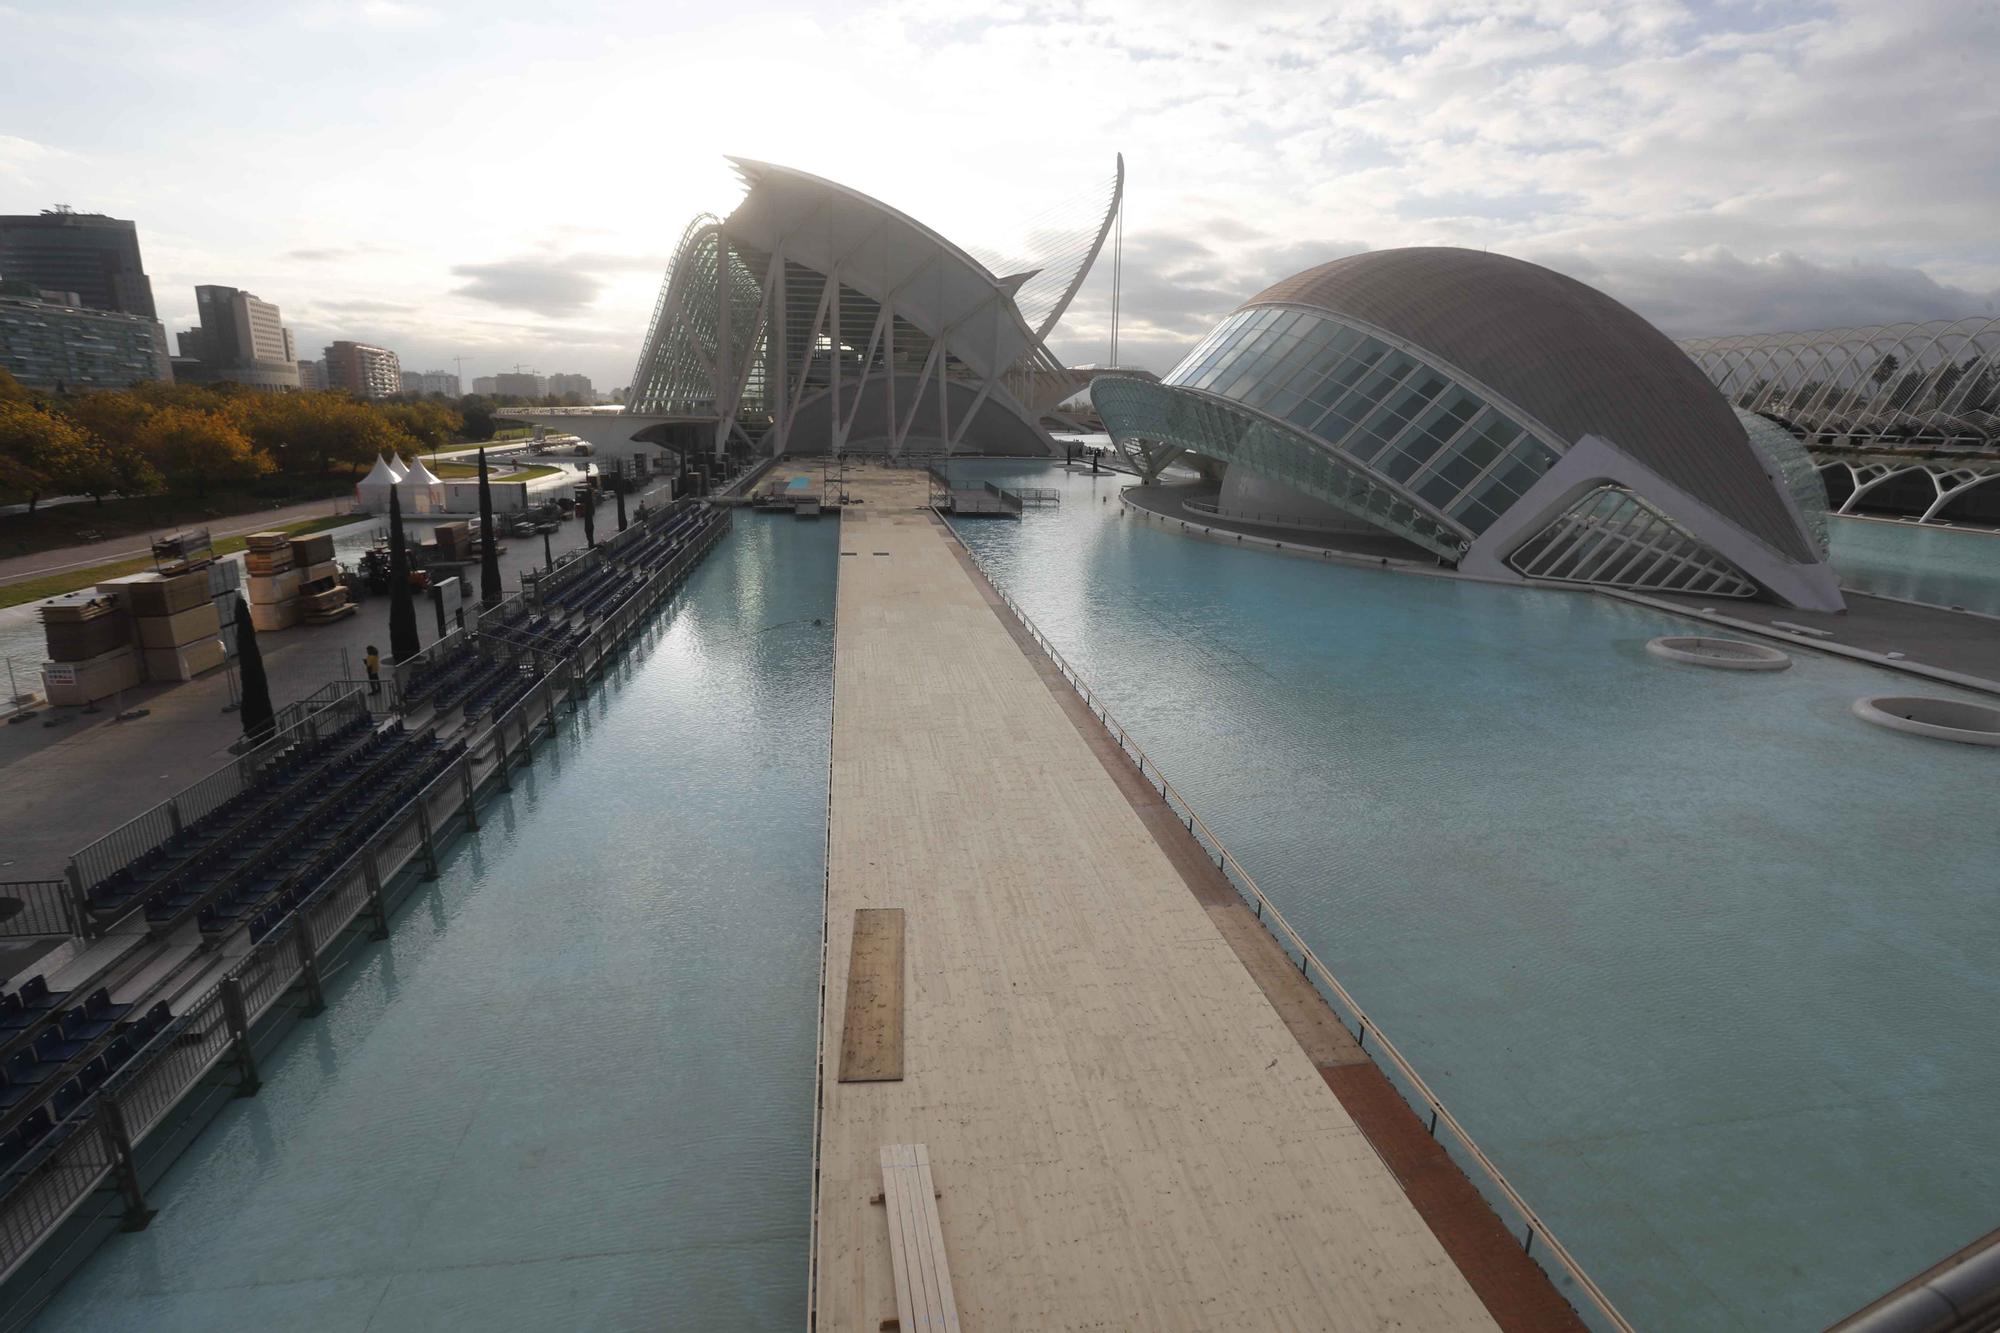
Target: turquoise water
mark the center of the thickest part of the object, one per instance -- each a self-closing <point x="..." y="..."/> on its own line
<point x="1707" y="965"/>
<point x="575" y="1089"/>
<point x="1944" y="566"/>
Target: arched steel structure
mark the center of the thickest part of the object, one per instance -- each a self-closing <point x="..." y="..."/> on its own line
<point x="839" y="323"/>
<point x="1935" y="384"/>
<point x="1480" y="406"/>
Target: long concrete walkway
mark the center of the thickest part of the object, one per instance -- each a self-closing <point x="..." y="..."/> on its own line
<point x="1122" y="1130"/>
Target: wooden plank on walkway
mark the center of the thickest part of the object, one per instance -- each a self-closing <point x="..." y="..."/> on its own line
<point x="916" y="1241"/>
<point x="871" y="1038"/>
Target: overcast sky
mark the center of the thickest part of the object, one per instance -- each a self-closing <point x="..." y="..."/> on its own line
<point x="504" y="182"/>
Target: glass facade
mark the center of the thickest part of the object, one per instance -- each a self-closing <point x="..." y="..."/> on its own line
<point x="1782" y="452"/>
<point x="1388" y="410"/>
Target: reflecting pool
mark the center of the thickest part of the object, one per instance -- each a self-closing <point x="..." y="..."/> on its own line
<point x="1710" y="967"/>
<point x="1943" y="566"/>
<point x="574" y="1090"/>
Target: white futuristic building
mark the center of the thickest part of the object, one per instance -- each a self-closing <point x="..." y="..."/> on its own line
<point x="814" y="319"/>
<point x="1510" y="421"/>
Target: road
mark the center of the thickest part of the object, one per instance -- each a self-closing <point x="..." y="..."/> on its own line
<point x="15" y="568"/>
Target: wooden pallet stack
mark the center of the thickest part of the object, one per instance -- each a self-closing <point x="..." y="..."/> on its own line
<point x="275" y="580"/>
<point x="91" y="656"/>
<point x="173" y="622"/>
<point x="322" y="596"/>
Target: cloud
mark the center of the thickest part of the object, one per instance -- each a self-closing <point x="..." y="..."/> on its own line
<point x="546" y="287"/>
<point x="1714" y="291"/>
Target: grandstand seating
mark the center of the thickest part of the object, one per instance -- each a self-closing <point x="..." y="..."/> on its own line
<point x="68" y="1075"/>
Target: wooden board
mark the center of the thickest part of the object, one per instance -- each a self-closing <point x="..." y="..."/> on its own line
<point x="916" y="1241"/>
<point x="871" y="1038"/>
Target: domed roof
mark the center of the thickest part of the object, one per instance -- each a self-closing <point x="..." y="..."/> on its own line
<point x="1565" y="354"/>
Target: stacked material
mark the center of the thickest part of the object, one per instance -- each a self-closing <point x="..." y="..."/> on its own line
<point x="322" y="597"/>
<point x="173" y="622"/>
<point x="275" y="580"/>
<point x="90" y="650"/>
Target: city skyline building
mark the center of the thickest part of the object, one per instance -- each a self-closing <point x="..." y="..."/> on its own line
<point x="312" y="375"/>
<point x="520" y="384"/>
<point x="241" y="340"/>
<point x="362" y="369"/>
<point x="50" y="340"/>
<point x="93" y="256"/>
<point x="563" y="385"/>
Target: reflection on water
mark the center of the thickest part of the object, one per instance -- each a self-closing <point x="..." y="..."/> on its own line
<point x="575" y="1089"/>
<point x="1943" y="566"/>
<point x="1708" y="966"/>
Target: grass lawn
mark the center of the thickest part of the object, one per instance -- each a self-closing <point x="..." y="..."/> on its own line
<point x="50" y="585"/>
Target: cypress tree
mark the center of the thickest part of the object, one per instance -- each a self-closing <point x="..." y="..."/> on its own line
<point x="589" y="505"/>
<point x="403" y="642"/>
<point x="258" y="715"/>
<point x="620" y="492"/>
<point x="489" y="551"/>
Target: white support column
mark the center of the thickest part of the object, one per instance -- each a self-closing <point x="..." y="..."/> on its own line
<point x="902" y="433"/>
<point x="777" y="363"/>
<point x="724" y="353"/>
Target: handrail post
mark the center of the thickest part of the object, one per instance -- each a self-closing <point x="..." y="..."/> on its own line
<point x="465" y="780"/>
<point x="238" y="1019"/>
<point x="429" y="845"/>
<point x="111" y="1120"/>
<point x="309" y="966"/>
<point x="371" y="876"/>
<point x="79" y="901"/>
<point x="506" y="759"/>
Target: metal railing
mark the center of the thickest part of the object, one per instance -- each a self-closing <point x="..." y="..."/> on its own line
<point x="47" y="908"/>
<point x="1257" y="516"/>
<point x="1344" y="1004"/>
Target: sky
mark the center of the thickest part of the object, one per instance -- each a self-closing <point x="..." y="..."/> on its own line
<point x="505" y="182"/>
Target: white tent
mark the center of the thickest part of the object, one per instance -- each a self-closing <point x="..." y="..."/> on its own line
<point x="420" y="491"/>
<point x="396" y="466"/>
<point x="371" y="493"/>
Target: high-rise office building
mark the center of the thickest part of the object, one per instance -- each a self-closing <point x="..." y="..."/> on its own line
<point x="433" y="381"/>
<point x="363" y="370"/>
<point x="486" y="384"/>
<point x="89" y="254"/>
<point x="564" y="385"/>
<point x="242" y="339"/>
<point x="312" y="375"/>
<point x="49" y="340"/>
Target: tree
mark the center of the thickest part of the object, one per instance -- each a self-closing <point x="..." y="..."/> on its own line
<point x="258" y="715"/>
<point x="475" y="418"/>
<point x="489" y="553"/>
<point x="11" y="390"/>
<point x="403" y="642"/>
<point x="40" y="453"/>
<point x="589" y="506"/>
<point x="312" y="431"/>
<point x="618" y="489"/>
<point x="202" y="448"/>
<point x="1885" y="368"/>
<point x="432" y="426"/>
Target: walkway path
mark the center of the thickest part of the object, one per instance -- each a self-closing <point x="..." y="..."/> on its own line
<point x="1121" y="1127"/>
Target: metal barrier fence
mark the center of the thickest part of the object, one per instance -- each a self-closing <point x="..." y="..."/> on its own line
<point x="97" y="1143"/>
<point x="1344" y="1005"/>
<point x="47" y="907"/>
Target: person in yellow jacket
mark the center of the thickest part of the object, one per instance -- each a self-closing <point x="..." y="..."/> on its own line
<point x="374" y="664"/>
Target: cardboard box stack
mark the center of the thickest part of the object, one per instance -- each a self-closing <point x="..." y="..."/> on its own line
<point x="90" y="651"/>
<point x="174" y="625"/>
<point x="322" y="597"/>
<point x="275" y="580"/>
